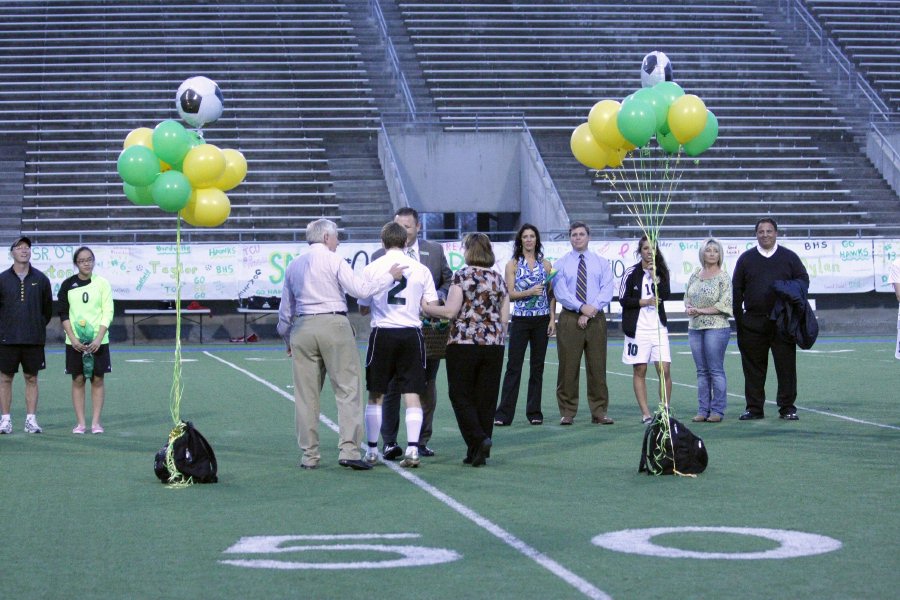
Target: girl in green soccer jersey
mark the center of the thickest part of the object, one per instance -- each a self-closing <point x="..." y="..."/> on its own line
<point x="86" y="311"/>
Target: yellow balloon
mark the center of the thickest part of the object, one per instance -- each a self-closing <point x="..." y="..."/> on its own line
<point x="203" y="165"/>
<point x="142" y="136"/>
<point x="235" y="170"/>
<point x="601" y="116"/>
<point x="207" y="207"/>
<point x="687" y="118"/>
<point x="586" y="149"/>
<point x="600" y="113"/>
<point x="610" y="136"/>
<point x="615" y="157"/>
<point x="187" y="213"/>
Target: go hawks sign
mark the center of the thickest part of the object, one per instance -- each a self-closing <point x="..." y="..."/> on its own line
<point x="230" y="271"/>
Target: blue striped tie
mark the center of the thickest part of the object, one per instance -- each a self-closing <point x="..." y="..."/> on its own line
<point x="581" y="284"/>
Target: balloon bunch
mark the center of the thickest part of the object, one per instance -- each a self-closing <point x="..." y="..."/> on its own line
<point x="661" y="109"/>
<point x="679" y="122"/>
<point x="174" y="168"/>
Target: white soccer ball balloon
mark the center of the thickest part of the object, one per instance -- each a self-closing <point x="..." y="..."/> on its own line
<point x="199" y="101"/>
<point x="655" y="68"/>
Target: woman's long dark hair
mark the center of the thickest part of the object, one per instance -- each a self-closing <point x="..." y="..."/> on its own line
<point x="519" y="252"/>
<point x="662" y="269"/>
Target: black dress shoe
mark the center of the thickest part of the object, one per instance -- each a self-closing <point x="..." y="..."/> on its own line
<point x="356" y="465"/>
<point x="392" y="452"/>
<point x="789" y="417"/>
<point x="425" y="451"/>
<point x="482" y="453"/>
<point x="749" y="416"/>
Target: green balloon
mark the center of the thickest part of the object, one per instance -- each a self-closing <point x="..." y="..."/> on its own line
<point x="656" y="102"/>
<point x="138" y="166"/>
<point x="171" y="191"/>
<point x="138" y="195"/>
<point x="636" y="122"/>
<point x="667" y="142"/>
<point x="171" y="141"/>
<point x="669" y="91"/>
<point x="705" y="139"/>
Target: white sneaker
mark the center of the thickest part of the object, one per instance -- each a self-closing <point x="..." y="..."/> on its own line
<point x="371" y="456"/>
<point x="31" y="425"/>
<point x="6" y="426"/>
<point x="410" y="458"/>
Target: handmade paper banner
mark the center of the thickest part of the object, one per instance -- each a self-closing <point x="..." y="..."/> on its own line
<point x="239" y="270"/>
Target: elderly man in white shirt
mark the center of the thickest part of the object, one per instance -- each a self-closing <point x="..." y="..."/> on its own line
<point x="313" y="322"/>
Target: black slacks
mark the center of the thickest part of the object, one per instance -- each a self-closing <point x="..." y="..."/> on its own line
<point x="756" y="337"/>
<point x="473" y="382"/>
<point x="524" y="331"/>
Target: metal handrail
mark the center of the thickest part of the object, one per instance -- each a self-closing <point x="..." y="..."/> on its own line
<point x="886" y="143"/>
<point x="394" y="59"/>
<point x="392" y="165"/>
<point x="539" y="159"/>
<point x="891" y="155"/>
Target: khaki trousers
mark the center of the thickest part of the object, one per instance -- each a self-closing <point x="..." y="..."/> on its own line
<point x="571" y="343"/>
<point x="320" y="344"/>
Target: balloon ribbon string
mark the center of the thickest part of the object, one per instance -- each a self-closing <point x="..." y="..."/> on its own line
<point x="177" y="387"/>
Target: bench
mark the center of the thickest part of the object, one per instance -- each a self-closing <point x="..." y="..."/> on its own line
<point x="252" y="315"/>
<point x="139" y="315"/>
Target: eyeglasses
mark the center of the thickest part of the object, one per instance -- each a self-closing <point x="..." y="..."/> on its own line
<point x="84" y="261"/>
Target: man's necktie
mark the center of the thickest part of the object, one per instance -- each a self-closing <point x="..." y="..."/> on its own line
<point x="412" y="253"/>
<point x="581" y="284"/>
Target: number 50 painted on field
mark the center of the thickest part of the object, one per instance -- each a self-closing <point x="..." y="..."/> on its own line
<point x="405" y="556"/>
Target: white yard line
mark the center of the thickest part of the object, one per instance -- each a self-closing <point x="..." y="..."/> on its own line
<point x="582" y="585"/>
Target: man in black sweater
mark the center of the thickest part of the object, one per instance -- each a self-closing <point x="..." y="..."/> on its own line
<point x="756" y="270"/>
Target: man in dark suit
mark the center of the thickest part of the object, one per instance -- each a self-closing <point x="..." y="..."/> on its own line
<point x="432" y="256"/>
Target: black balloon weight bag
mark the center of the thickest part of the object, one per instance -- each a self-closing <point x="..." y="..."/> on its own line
<point x="672" y="450"/>
<point x="187" y="458"/>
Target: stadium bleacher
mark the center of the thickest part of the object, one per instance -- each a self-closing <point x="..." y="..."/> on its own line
<point x="550" y="62"/>
<point x="78" y="76"/>
<point x="304" y="99"/>
<point x="867" y="31"/>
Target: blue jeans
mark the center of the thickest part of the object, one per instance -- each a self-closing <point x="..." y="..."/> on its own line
<point x="708" y="348"/>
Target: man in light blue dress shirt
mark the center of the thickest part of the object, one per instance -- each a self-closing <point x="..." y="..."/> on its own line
<point x="582" y="326"/>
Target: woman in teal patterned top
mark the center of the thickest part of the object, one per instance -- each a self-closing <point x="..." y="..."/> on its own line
<point x="707" y="300"/>
<point x="528" y="276"/>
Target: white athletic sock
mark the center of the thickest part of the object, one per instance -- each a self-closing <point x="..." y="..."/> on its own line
<point x="4" y="417"/>
<point x="413" y="425"/>
<point x="373" y="424"/>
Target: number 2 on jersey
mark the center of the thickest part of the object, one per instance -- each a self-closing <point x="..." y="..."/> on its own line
<point x="392" y="293"/>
